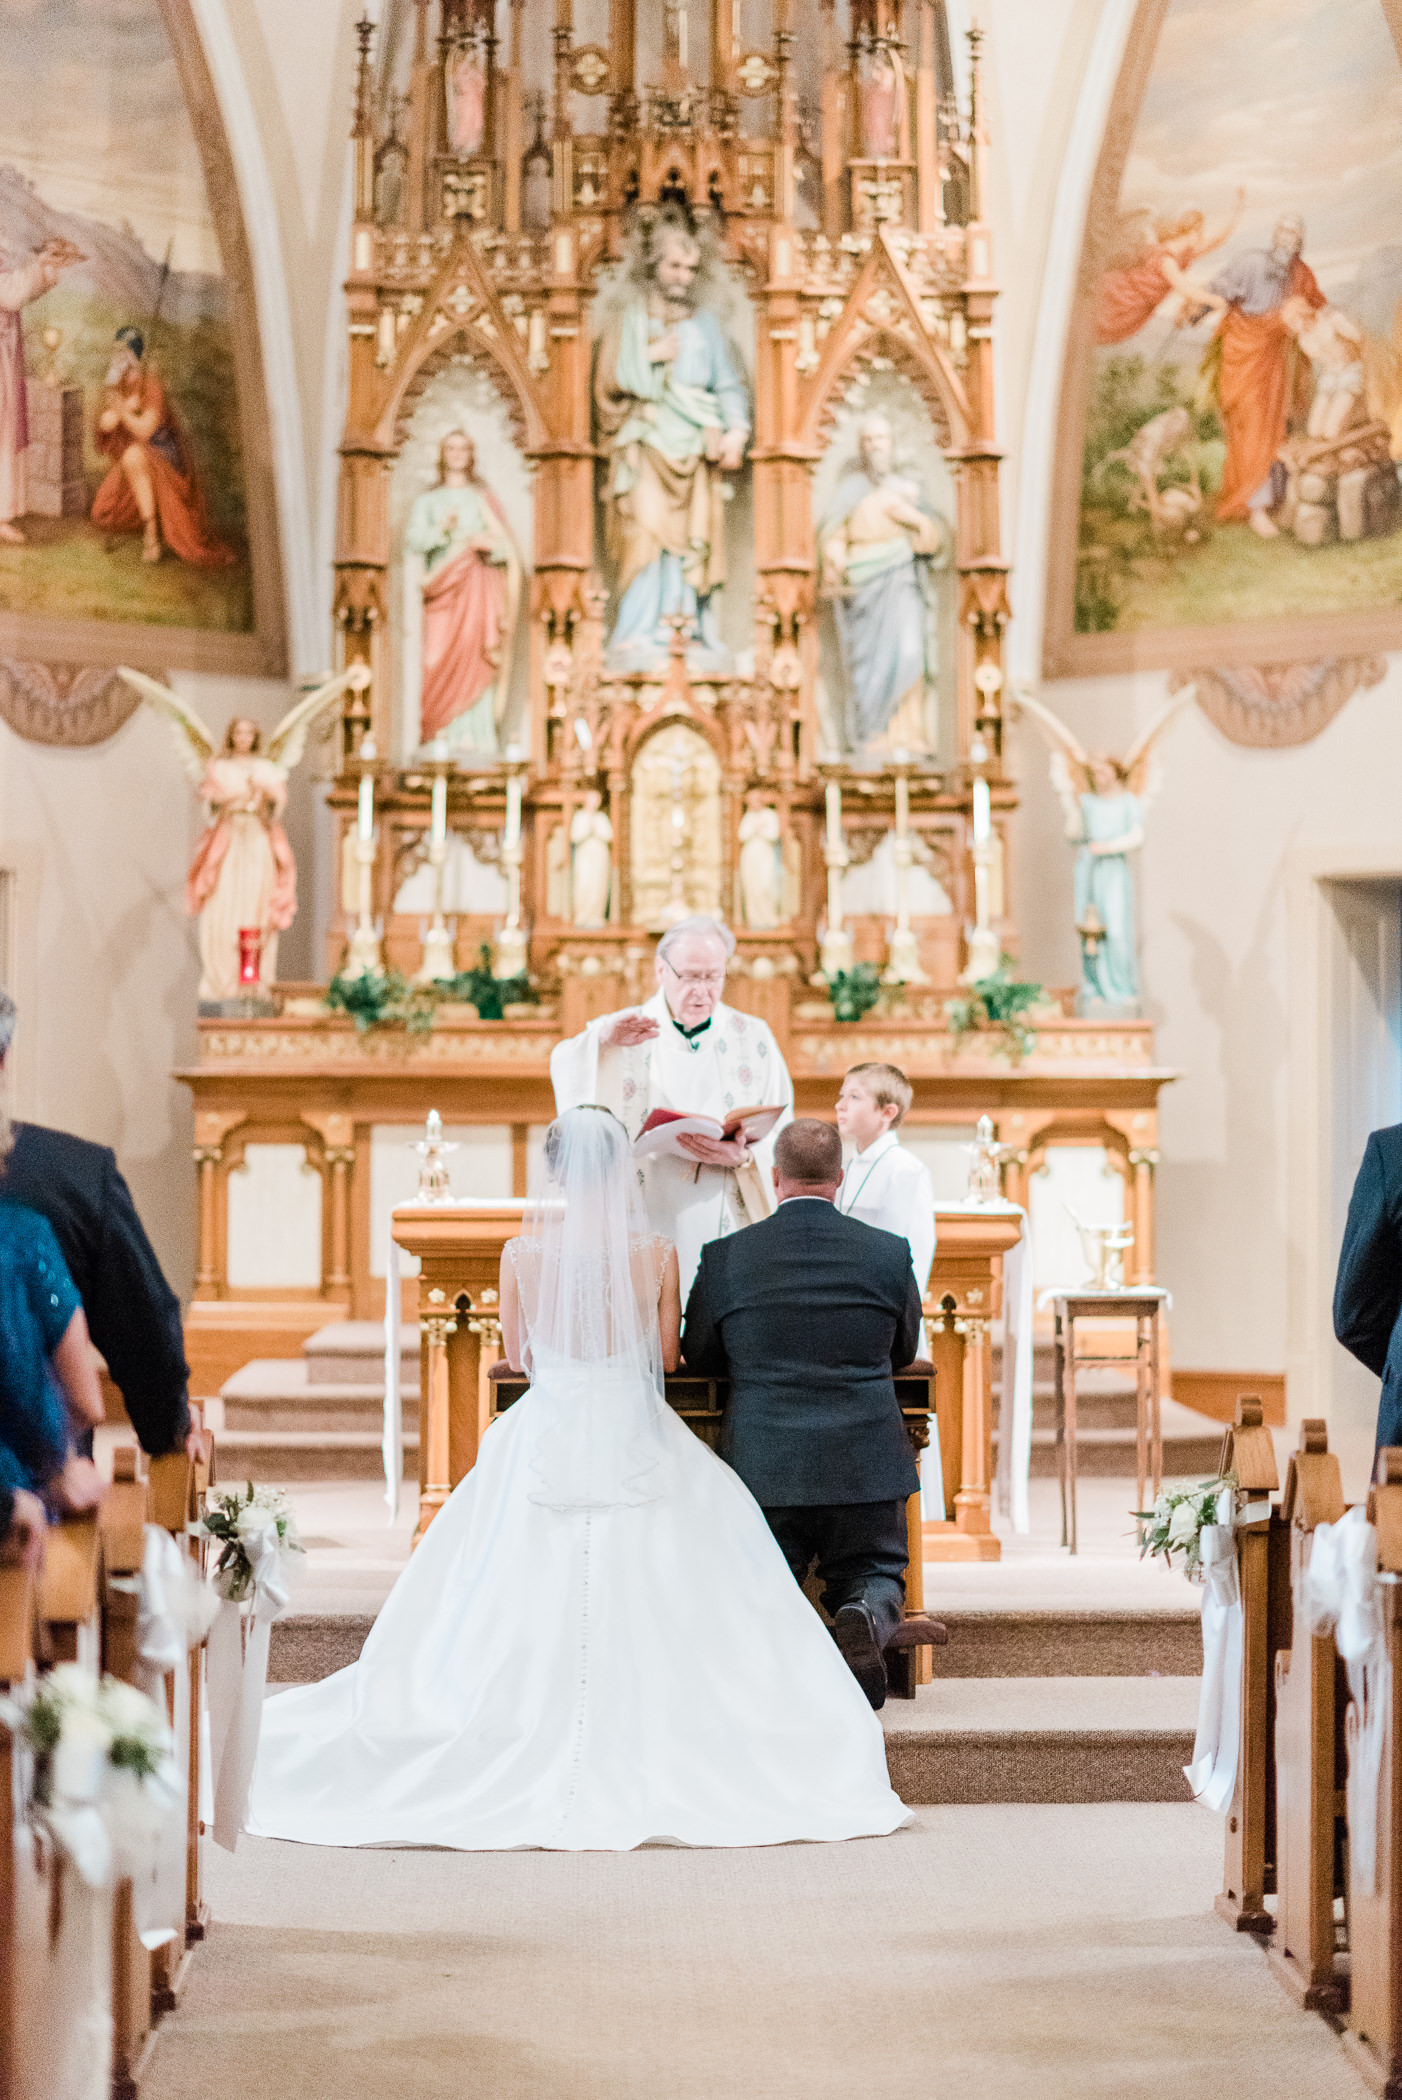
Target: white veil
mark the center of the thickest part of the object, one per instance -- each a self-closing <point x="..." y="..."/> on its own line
<point x="587" y="1271"/>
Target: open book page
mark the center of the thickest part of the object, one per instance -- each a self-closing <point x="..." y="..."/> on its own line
<point x="665" y="1126"/>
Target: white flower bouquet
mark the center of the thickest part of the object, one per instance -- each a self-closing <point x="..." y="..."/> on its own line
<point x="247" y="1524"/>
<point x="79" y="1725"/>
<point x="1176" y="1522"/>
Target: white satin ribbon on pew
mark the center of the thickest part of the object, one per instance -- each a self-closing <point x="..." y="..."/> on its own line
<point x="238" y="1676"/>
<point x="1212" y="1773"/>
<point x="1341" y="1595"/>
<point x="174" y="1613"/>
<point x="393" y="1441"/>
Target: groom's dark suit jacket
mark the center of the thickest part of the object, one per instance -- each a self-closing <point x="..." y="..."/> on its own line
<point x="808" y="1314"/>
<point x="1368" y="1293"/>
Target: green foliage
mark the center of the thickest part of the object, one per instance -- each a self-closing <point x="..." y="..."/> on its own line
<point x="1126" y="392"/>
<point x="1175" y="1523"/>
<point x="854" y="992"/>
<point x="386" y="998"/>
<point x="998" y="1004"/>
<point x="1097" y="600"/>
<point x="490" y="995"/>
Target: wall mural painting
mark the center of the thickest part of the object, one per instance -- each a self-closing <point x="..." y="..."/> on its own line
<point x="882" y="505"/>
<point x="462" y="520"/>
<point x="1235" y="382"/>
<point x="124" y="492"/>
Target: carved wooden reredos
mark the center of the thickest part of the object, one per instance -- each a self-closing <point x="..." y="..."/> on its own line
<point x="511" y="158"/>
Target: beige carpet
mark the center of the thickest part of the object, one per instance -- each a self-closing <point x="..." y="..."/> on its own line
<point x="1022" y="1953"/>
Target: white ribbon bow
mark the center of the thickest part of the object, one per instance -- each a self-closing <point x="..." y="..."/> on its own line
<point x="1212" y="1773"/>
<point x="1341" y="1594"/>
<point x="238" y="1673"/>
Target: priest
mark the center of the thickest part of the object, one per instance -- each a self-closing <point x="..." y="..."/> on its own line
<point x="688" y="1051"/>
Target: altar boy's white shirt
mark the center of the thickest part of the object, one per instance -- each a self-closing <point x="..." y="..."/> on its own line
<point x="889" y="1187"/>
<point x="735" y="1063"/>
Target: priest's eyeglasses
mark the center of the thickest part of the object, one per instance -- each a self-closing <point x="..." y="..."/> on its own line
<point x="706" y="980"/>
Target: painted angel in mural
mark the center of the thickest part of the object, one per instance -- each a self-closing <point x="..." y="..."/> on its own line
<point x="152" y="486"/>
<point x="1154" y="261"/>
<point x="1105" y="801"/>
<point x="674" y="418"/>
<point x="470" y="594"/>
<point x="243" y="875"/>
<point x="878" y="543"/>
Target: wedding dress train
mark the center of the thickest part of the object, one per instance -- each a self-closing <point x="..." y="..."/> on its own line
<point x="597" y="1644"/>
<point x="583" y="1680"/>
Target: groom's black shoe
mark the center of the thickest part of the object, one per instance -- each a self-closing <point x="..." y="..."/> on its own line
<point x="854" y="1630"/>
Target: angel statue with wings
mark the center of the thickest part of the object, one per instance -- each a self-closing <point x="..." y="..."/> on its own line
<point x="243" y="875"/>
<point x="1105" y="801"/>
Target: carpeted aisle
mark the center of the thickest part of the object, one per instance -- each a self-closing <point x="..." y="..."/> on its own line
<point x="1023" y="1953"/>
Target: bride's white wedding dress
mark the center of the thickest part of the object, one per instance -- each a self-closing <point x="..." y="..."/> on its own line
<point x="597" y="1644"/>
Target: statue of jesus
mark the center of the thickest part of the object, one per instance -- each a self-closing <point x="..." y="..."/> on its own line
<point x="674" y="417"/>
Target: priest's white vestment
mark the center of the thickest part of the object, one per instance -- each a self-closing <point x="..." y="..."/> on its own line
<point x="733" y="1063"/>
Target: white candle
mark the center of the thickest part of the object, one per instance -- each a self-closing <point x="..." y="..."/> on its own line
<point x="512" y="836"/>
<point x="834" y="801"/>
<point x="983" y="812"/>
<point x="902" y="805"/>
<point x="366" y="824"/>
<point x="438" y="823"/>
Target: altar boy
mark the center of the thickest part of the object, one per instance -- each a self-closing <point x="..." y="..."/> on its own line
<point x="884" y="1184"/>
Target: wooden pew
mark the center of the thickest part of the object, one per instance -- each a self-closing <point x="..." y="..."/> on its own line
<point x="1263" y="1569"/>
<point x="1309" y="1750"/>
<point x="56" y="1933"/>
<point x="176" y="1487"/>
<point x="1373" y="2037"/>
<point x="122" y="1525"/>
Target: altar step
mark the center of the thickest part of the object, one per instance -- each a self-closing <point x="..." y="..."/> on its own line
<point x="980" y="1735"/>
<point x="317" y="1416"/>
<point x="1012" y="1645"/>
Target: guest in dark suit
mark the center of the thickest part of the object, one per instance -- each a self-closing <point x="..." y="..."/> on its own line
<point x="133" y="1314"/>
<point x="808" y="1314"/>
<point x="1368" y="1292"/>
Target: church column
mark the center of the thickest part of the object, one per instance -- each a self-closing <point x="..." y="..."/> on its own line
<point x="337" y="1134"/>
<point x="212" y="1126"/>
<point x="1143" y="1159"/>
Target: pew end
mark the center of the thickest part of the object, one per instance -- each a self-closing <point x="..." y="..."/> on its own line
<point x="69" y="1592"/>
<point x="1309" y="1751"/>
<point x="1263" y="1572"/>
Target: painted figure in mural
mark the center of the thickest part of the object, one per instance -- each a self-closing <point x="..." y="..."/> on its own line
<point x="471" y="591"/>
<point x="591" y="861"/>
<point x="1333" y="343"/>
<point x="1252" y="369"/>
<point x="243" y="875"/>
<point x="761" y="865"/>
<point x="1104" y="801"/>
<point x="20" y="284"/>
<point x="879" y="542"/>
<point x="1158" y="263"/>
<point x="674" y="416"/>
<point x="152" y="487"/>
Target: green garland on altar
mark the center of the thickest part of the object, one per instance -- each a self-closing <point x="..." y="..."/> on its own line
<point x="388" y="999"/>
<point x="854" y="992"/>
<point x="998" y="1003"/>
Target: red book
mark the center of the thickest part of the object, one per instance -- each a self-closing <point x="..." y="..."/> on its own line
<point x="664" y="1126"/>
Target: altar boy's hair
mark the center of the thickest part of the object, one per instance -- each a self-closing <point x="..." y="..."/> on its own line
<point x="888" y="1087"/>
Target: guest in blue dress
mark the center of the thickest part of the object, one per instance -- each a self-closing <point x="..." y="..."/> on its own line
<point x="49" y="1392"/>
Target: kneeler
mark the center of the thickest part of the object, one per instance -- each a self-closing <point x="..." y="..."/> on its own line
<point x="1310" y="1700"/>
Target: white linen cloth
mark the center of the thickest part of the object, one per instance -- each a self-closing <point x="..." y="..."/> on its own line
<point x="735" y="1063"/>
<point x="583" y="1679"/>
<point x="175" y="1612"/>
<point x="1212" y="1773"/>
<point x="1341" y="1593"/>
<point x="1015" y="1391"/>
<point x="392" y="1434"/>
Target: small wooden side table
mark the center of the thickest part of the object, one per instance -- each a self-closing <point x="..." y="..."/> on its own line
<point x="1143" y="1306"/>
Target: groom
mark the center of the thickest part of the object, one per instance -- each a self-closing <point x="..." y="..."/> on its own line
<point x="808" y="1313"/>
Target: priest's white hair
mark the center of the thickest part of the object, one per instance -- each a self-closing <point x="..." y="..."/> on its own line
<point x="699" y="923"/>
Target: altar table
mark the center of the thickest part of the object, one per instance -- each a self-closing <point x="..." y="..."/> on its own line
<point x="965" y="1296"/>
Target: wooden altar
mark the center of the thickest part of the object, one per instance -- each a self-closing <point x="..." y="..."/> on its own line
<point x="809" y="200"/>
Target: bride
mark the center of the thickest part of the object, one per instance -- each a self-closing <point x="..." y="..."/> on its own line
<point x="598" y="1643"/>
